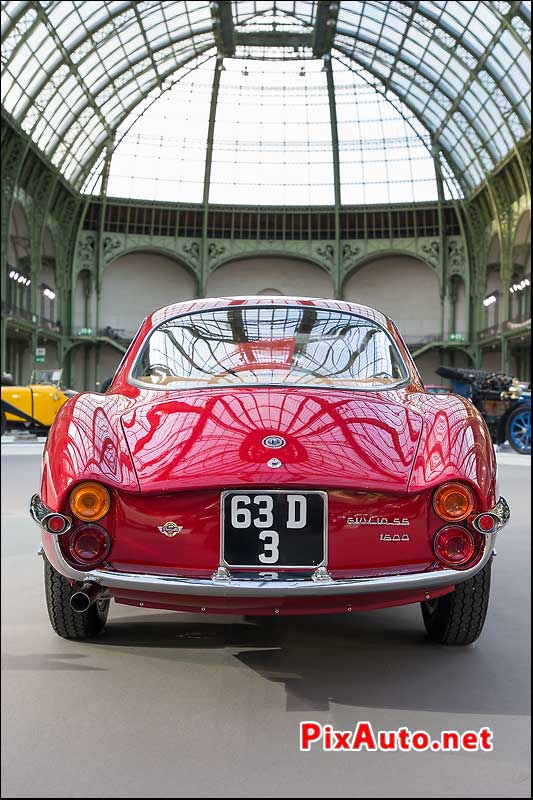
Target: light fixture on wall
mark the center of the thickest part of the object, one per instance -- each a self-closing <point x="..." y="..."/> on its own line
<point x="519" y="287"/>
<point x="49" y="293"/>
<point x="490" y="300"/>
<point x="18" y="277"/>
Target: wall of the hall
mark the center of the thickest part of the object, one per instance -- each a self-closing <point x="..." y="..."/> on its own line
<point x="138" y="283"/>
<point x="257" y="275"/>
<point x="92" y="365"/>
<point x="402" y="287"/>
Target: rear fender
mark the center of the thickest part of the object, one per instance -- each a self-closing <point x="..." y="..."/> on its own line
<point x="86" y="442"/>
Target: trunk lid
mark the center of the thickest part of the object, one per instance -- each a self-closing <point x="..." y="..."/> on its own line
<point x="214" y="438"/>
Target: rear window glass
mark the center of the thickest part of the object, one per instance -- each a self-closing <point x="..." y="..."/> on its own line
<point x="269" y="345"/>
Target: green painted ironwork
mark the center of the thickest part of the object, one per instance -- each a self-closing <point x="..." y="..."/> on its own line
<point x="35" y="178"/>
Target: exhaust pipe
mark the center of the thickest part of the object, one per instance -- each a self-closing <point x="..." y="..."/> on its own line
<point x="83" y="599"/>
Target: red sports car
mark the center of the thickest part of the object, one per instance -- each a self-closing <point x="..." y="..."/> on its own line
<point x="265" y="456"/>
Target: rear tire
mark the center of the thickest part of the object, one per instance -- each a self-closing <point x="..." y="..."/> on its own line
<point x="3" y="424"/>
<point x="68" y="623"/>
<point x="458" y="618"/>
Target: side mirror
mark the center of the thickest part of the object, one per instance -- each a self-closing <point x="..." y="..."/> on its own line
<point x="104" y="386"/>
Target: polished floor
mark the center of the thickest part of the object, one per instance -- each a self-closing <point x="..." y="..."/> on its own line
<point x="170" y="705"/>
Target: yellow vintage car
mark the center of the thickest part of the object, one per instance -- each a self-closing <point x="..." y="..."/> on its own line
<point x="35" y="405"/>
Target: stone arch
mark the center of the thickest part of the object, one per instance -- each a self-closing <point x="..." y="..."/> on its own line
<point x="319" y="254"/>
<point x="389" y="282"/>
<point x="136" y="284"/>
<point x="287" y="275"/>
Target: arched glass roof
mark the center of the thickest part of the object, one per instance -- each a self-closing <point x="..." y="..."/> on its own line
<point x="272" y="141"/>
<point x="72" y="72"/>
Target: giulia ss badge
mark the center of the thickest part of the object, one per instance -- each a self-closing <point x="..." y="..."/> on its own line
<point x="170" y="528"/>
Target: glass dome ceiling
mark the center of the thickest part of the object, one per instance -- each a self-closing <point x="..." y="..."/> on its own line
<point x="272" y="141"/>
<point x="82" y="77"/>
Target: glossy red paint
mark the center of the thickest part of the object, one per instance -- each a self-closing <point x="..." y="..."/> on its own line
<point x="167" y="455"/>
<point x="284" y="606"/>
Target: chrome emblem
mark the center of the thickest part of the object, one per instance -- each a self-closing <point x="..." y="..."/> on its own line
<point x="274" y="442"/>
<point x="274" y="463"/>
<point x="372" y="520"/>
<point x="170" y="528"/>
<point x="394" y="537"/>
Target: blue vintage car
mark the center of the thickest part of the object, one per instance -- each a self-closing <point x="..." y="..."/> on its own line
<point x="504" y="402"/>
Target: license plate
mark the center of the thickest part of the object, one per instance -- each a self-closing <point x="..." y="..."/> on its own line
<point x="274" y="529"/>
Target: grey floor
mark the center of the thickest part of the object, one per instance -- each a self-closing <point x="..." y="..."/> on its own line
<point x="172" y="705"/>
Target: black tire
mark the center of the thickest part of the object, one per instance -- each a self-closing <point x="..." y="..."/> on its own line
<point x="68" y="623"/>
<point x="458" y="618"/>
<point x="3" y="423"/>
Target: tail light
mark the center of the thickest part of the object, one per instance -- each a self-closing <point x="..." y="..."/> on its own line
<point x="56" y="523"/>
<point x="485" y="523"/>
<point x="454" y="546"/>
<point x="453" y="502"/>
<point x="89" y="545"/>
<point x="90" y="501"/>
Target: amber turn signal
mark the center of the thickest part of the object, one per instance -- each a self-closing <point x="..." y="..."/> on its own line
<point x="453" y="502"/>
<point x="90" y="501"/>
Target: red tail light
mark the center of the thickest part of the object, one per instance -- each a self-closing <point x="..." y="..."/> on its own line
<point x="454" y="546"/>
<point x="485" y="523"/>
<point x="56" y="523"/>
<point x="89" y="545"/>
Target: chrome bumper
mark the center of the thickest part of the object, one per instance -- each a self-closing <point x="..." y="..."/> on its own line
<point x="223" y="584"/>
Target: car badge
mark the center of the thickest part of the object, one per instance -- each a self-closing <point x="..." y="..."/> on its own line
<point x="366" y="519"/>
<point x="274" y="463"/>
<point x="274" y="442"/>
<point x="170" y="528"/>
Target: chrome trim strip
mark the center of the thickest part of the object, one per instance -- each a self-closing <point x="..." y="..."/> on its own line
<point x="38" y="510"/>
<point x="231" y="587"/>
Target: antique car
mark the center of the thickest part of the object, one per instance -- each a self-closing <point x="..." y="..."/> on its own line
<point x="504" y="403"/>
<point x="267" y="456"/>
<point x="33" y="406"/>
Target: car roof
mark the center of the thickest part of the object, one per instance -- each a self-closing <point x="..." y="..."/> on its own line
<point x="208" y="303"/>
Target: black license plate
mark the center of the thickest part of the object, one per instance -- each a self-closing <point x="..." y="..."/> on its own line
<point x="273" y="529"/>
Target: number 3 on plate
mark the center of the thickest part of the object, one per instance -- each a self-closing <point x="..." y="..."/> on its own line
<point x="271" y="552"/>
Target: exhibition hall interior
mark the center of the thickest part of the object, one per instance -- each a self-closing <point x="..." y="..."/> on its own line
<point x="339" y="195"/>
<point x="158" y="152"/>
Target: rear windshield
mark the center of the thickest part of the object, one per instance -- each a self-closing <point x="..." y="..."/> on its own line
<point x="269" y="345"/>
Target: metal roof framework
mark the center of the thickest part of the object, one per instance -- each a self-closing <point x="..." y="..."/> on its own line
<point x="73" y="71"/>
